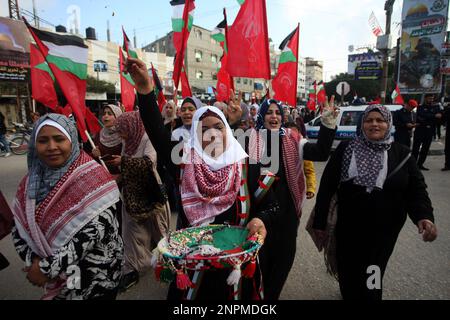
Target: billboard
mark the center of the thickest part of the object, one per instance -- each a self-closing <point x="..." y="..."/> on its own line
<point x="14" y="50"/>
<point x="355" y="60"/>
<point x="423" y="33"/>
<point x="369" y="70"/>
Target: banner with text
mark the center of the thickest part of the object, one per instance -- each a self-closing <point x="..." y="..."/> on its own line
<point x="14" y="50"/>
<point x="424" y="28"/>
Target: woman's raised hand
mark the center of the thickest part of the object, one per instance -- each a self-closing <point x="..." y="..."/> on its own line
<point x="139" y="73"/>
<point x="330" y="113"/>
<point x="234" y="110"/>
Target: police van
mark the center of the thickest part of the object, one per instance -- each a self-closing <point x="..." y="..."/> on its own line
<point x="347" y="122"/>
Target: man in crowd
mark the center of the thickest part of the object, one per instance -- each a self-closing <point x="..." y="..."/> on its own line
<point x="404" y="122"/>
<point x="446" y="121"/>
<point x="427" y="114"/>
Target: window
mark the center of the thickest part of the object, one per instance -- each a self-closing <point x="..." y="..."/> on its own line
<point x="350" y="118"/>
<point x="238" y="80"/>
<point x="251" y="82"/>
<point x="198" y="55"/>
<point x="245" y="81"/>
<point x="199" y="75"/>
<point x="214" y="76"/>
<point x="214" y="58"/>
<point x="198" y="34"/>
<point x="100" y="66"/>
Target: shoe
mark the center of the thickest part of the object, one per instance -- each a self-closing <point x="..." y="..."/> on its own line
<point x="423" y="168"/>
<point x="7" y="155"/>
<point x="128" y="280"/>
<point x="445" y="169"/>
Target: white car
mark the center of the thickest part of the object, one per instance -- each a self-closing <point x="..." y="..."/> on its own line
<point x="347" y="122"/>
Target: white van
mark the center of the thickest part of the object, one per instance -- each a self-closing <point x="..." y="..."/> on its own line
<point x="347" y="122"/>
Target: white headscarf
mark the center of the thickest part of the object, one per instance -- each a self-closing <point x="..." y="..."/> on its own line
<point x="233" y="151"/>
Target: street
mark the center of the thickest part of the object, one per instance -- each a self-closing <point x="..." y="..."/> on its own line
<point x="417" y="270"/>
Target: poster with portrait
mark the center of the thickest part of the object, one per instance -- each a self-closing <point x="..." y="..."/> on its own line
<point x="423" y="32"/>
<point x="14" y="50"/>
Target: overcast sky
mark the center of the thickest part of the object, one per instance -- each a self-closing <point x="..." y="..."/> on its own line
<point x="328" y="27"/>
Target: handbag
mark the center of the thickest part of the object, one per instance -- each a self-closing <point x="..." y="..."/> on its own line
<point x="329" y="244"/>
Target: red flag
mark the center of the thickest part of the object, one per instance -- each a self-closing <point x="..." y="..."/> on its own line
<point x="42" y="80"/>
<point x="225" y="83"/>
<point x="248" y="42"/>
<point x="312" y="98"/>
<point x="92" y="122"/>
<point x="185" y="87"/>
<point x="180" y="39"/>
<point x="159" y="90"/>
<point x="127" y="93"/>
<point x="69" y="69"/>
<point x="285" y="82"/>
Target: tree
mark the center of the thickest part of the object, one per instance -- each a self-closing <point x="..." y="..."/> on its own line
<point x="99" y="86"/>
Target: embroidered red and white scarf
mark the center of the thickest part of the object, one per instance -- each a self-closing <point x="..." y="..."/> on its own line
<point x="83" y="192"/>
<point x="205" y="193"/>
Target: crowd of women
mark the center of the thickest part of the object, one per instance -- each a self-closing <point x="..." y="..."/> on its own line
<point x="70" y="212"/>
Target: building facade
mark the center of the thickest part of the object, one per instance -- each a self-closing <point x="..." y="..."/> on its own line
<point x="202" y="61"/>
<point x="314" y="71"/>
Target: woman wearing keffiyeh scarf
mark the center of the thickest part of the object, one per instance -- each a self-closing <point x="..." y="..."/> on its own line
<point x="377" y="185"/>
<point x="287" y="150"/>
<point x="64" y="215"/>
<point x="216" y="184"/>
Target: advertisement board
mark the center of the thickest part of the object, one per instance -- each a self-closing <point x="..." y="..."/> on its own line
<point x="423" y="33"/>
<point x="14" y="51"/>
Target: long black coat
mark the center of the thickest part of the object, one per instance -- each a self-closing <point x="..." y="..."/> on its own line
<point x="368" y="224"/>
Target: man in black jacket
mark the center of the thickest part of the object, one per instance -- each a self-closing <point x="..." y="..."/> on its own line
<point x="427" y="114"/>
<point x="447" y="137"/>
<point x="404" y="122"/>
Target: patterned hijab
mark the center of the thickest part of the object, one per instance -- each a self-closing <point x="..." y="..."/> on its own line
<point x="131" y="123"/>
<point x="109" y="137"/>
<point x="42" y="178"/>
<point x="365" y="160"/>
<point x="262" y="114"/>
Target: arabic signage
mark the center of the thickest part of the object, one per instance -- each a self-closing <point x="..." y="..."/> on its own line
<point x="424" y="28"/>
<point x="14" y="50"/>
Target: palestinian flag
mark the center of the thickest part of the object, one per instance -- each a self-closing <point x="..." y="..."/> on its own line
<point x="321" y="93"/>
<point x="42" y="80"/>
<point x="128" y="96"/>
<point x="397" y="96"/>
<point x="182" y="21"/>
<point x="312" y="98"/>
<point x="285" y="82"/>
<point x="67" y="57"/>
<point x="92" y="122"/>
<point x="241" y="2"/>
<point x="127" y="46"/>
<point x="218" y="33"/>
<point x="185" y="86"/>
<point x="158" y="90"/>
<point x="225" y="83"/>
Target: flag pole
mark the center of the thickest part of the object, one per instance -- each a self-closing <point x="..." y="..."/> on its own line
<point x="91" y="142"/>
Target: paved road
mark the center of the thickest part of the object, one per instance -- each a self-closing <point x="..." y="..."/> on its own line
<point x="417" y="270"/>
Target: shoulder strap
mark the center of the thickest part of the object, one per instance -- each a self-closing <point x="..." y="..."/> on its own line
<point x="397" y="169"/>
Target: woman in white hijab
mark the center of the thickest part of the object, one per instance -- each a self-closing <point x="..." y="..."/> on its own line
<point x="214" y="184"/>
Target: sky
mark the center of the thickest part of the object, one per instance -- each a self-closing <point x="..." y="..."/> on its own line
<point x="328" y="27"/>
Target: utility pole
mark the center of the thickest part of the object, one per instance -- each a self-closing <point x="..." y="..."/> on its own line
<point x="108" y="33"/>
<point x="388" y="7"/>
<point x="36" y="20"/>
<point x="14" y="12"/>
